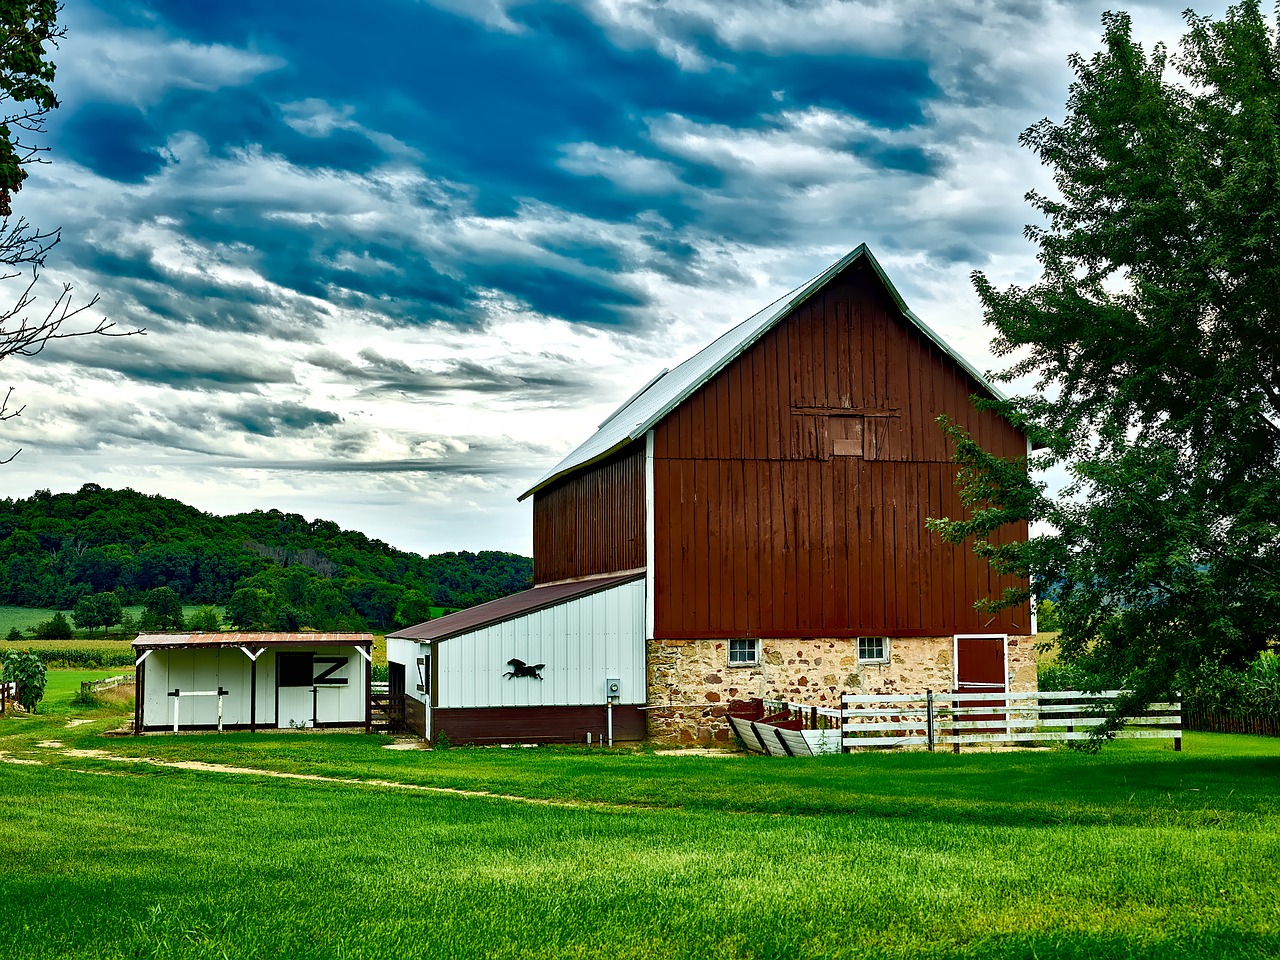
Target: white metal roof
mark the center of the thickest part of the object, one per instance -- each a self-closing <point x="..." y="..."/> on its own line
<point x="669" y="389"/>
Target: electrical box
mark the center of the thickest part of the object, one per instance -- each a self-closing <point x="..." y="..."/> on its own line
<point x="613" y="689"/>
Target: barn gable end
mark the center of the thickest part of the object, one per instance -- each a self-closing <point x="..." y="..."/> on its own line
<point x="791" y="490"/>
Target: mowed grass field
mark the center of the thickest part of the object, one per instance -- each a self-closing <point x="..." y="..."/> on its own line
<point x="111" y="851"/>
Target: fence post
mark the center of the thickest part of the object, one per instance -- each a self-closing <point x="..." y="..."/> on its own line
<point x="840" y="724"/>
<point x="955" y="723"/>
<point x="1177" y="740"/>
<point x="929" y="716"/>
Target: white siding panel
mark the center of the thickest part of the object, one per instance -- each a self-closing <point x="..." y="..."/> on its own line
<point x="582" y="643"/>
<point x="407" y="652"/>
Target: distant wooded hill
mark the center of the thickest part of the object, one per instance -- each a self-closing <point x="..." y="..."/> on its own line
<point x="270" y="569"/>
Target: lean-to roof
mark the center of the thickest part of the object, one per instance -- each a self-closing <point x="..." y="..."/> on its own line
<point x="162" y="640"/>
<point x="668" y="390"/>
<point x="516" y="605"/>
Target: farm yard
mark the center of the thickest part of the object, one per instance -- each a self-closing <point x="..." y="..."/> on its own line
<point x="304" y="845"/>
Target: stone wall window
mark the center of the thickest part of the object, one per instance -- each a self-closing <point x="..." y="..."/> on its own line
<point x="873" y="649"/>
<point x="744" y="652"/>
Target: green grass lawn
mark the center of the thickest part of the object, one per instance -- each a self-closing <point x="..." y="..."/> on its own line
<point x="1135" y="852"/>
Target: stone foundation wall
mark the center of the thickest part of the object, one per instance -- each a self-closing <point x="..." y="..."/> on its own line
<point x="694" y="679"/>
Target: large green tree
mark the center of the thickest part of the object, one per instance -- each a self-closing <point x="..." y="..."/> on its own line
<point x="1152" y="345"/>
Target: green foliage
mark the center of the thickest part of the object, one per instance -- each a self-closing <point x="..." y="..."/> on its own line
<point x="205" y="620"/>
<point x="14" y="635"/>
<point x="162" y="610"/>
<point x="26" y="79"/>
<point x="250" y="609"/>
<point x="57" y="548"/>
<point x="1053" y="675"/>
<point x="1047" y="616"/>
<point x="1151" y="339"/>
<point x="85" y="658"/>
<point x="1253" y="691"/>
<point x="55" y="628"/>
<point x="28" y="670"/>
<point x="97" y="610"/>
<point x="415" y="607"/>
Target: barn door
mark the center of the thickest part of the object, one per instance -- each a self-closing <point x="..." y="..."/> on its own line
<point x="981" y="667"/>
<point x="295" y="698"/>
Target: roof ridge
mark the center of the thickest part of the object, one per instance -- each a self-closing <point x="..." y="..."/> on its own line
<point x="671" y="388"/>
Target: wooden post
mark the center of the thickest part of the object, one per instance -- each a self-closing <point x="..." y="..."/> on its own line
<point x="843" y="706"/>
<point x="368" y="691"/>
<point x="928" y="699"/>
<point x="139" y="693"/>
<point x="253" y="695"/>
<point x="955" y="724"/>
<point x="1177" y="740"/>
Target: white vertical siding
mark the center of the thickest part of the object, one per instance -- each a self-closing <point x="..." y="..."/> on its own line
<point x="407" y="652"/>
<point x="207" y="669"/>
<point x="582" y="642"/>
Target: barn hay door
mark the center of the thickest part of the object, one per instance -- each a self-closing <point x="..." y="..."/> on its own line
<point x="982" y="666"/>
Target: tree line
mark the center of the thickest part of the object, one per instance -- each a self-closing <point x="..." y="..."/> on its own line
<point x="99" y="550"/>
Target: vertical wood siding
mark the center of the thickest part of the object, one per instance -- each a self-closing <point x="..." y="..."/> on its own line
<point x="791" y="491"/>
<point x="593" y="522"/>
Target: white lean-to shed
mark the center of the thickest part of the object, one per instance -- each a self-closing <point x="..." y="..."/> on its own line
<point x="211" y="681"/>
<point x="555" y="663"/>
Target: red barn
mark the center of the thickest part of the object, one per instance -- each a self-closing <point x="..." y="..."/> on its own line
<point x="772" y="490"/>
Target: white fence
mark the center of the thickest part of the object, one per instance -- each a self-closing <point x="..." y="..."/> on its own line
<point x="953" y="719"/>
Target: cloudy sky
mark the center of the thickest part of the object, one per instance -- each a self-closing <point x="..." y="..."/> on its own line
<point x="395" y="258"/>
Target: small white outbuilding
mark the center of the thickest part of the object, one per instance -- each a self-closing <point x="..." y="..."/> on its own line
<point x="247" y="681"/>
<point x="562" y="662"/>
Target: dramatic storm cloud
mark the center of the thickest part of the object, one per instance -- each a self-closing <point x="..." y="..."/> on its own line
<point x="394" y="259"/>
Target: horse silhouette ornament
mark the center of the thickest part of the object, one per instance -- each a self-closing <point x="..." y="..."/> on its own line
<point x="521" y="669"/>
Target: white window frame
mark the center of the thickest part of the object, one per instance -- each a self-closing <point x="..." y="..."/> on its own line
<point x="753" y="645"/>
<point x="884" y="658"/>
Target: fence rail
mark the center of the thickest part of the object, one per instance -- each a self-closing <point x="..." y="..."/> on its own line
<point x="8" y="693"/>
<point x="97" y="686"/>
<point x="957" y="718"/>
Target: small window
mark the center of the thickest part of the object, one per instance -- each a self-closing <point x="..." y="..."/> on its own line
<point x="743" y="652"/>
<point x="423" y="674"/>
<point x="873" y="649"/>
<point x="295" y="669"/>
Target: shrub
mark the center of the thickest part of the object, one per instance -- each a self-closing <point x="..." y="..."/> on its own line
<point x="1046" y="617"/>
<point x="14" y="635"/>
<point x="55" y="628"/>
<point x="1065" y="676"/>
<point x="26" y="668"/>
<point x="205" y="620"/>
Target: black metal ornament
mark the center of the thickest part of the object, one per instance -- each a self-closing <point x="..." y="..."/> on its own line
<point x="521" y="669"/>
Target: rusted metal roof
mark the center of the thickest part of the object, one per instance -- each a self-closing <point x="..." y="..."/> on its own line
<point x="518" y="604"/>
<point x="669" y="389"/>
<point x="160" y="640"/>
